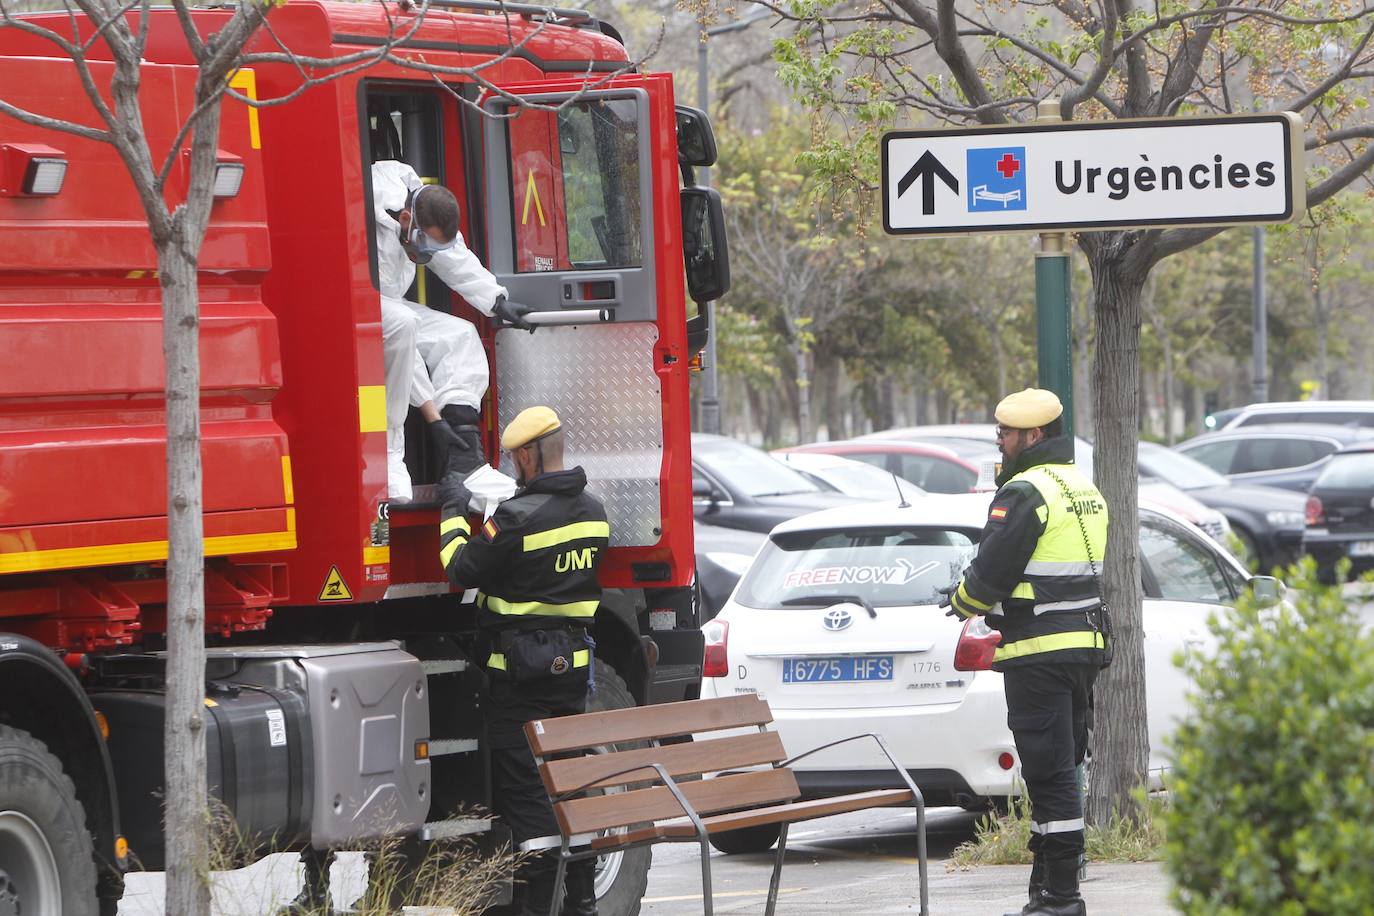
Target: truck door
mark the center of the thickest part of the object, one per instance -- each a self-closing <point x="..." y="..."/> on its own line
<point x="583" y="225"/>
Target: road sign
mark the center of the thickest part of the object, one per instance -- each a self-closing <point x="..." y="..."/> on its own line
<point x="1094" y="175"/>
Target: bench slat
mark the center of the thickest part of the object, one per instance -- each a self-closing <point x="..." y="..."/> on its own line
<point x="637" y="806"/>
<point x="755" y="817"/>
<point x="645" y="723"/>
<point x="709" y="756"/>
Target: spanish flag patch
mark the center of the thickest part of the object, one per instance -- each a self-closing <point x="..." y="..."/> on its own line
<point x="490" y="529"/>
<point x="998" y="513"/>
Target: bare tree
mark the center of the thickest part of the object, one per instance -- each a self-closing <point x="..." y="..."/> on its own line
<point x="862" y="67"/>
<point x="106" y="41"/>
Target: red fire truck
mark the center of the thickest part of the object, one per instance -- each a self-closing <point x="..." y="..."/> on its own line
<point x="340" y="702"/>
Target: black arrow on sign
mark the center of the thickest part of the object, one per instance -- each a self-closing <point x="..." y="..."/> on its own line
<point x="930" y="168"/>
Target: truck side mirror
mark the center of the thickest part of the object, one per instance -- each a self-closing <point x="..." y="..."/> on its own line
<point x="696" y="142"/>
<point x="704" y="251"/>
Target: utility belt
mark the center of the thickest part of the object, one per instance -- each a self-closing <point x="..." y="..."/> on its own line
<point x="527" y="655"/>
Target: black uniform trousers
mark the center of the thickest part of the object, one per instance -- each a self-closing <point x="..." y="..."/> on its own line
<point x="518" y="794"/>
<point x="1048" y="714"/>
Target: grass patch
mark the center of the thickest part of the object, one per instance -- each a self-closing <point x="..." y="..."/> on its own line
<point x="1002" y="839"/>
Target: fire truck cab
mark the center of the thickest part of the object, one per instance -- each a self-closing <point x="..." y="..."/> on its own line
<point x="340" y="698"/>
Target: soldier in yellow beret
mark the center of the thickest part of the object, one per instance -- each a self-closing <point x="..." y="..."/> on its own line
<point x="534" y="563"/>
<point x="1036" y="579"/>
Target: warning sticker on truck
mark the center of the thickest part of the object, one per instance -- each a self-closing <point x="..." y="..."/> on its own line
<point x="276" y="728"/>
<point x="334" y="587"/>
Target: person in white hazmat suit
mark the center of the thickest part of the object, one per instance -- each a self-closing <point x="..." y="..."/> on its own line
<point x="433" y="360"/>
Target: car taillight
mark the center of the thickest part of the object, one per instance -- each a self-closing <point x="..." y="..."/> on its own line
<point x="716" y="662"/>
<point x="1316" y="512"/>
<point x="977" y="643"/>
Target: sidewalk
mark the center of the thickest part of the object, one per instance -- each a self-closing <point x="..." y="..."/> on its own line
<point x="1138" y="889"/>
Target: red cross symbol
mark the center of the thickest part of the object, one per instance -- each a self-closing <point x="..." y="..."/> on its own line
<point x="1008" y="165"/>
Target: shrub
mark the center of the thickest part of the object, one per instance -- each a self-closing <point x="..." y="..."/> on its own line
<point x="1272" y="807"/>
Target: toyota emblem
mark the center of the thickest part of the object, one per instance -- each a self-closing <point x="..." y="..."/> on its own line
<point x="837" y="619"/>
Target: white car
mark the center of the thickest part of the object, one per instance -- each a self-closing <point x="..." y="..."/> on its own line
<point x="836" y="623"/>
<point x="850" y="477"/>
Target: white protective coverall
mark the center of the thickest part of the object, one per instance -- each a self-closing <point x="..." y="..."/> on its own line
<point x="429" y="355"/>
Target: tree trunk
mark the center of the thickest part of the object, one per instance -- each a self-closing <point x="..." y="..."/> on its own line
<point x="887" y="404"/>
<point x="188" y="860"/>
<point x="802" y="356"/>
<point x="828" y="380"/>
<point x="1120" y="740"/>
<point x="1082" y="371"/>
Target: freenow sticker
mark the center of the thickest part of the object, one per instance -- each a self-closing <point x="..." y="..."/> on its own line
<point x="900" y="573"/>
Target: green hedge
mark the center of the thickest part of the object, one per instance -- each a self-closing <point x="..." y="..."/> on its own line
<point x="1272" y="795"/>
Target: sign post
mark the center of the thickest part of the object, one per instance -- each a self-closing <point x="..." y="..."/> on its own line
<point x="1054" y="334"/>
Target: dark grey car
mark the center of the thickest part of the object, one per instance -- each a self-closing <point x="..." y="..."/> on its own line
<point x="1288" y="455"/>
<point x="1267" y="520"/>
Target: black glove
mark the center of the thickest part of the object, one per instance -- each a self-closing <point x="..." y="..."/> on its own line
<point x="512" y="313"/>
<point x="946" y="600"/>
<point x="453" y="493"/>
<point x="445" y="437"/>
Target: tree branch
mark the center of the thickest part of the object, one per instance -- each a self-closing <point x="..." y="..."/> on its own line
<point x="1098" y="76"/>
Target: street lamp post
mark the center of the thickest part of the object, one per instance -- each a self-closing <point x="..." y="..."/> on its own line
<point x="710" y="392"/>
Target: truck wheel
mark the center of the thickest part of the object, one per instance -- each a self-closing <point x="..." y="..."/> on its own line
<point x="46" y="858"/>
<point x="621" y="877"/>
<point x="747" y="839"/>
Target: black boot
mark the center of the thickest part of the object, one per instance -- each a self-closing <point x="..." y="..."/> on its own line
<point x="580" y="883"/>
<point x="1060" y="896"/>
<point x="537" y="889"/>
<point x="464" y="422"/>
<point x="1036" y="887"/>
<point x="314" y="896"/>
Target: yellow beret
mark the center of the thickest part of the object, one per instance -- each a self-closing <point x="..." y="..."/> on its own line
<point x="530" y="424"/>
<point x="1028" y="409"/>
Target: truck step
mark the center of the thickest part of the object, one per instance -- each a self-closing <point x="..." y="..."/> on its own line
<point x="443" y="666"/>
<point x="440" y="747"/>
<point x="454" y="827"/>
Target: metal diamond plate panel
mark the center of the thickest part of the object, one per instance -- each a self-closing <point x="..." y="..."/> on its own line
<point x="600" y="379"/>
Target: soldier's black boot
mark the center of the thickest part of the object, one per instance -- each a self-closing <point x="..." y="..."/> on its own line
<point x="1036" y="887"/>
<point x="580" y="897"/>
<point x="464" y="422"/>
<point x="1060" y="896"/>
<point x="314" y="896"/>
<point x="537" y="876"/>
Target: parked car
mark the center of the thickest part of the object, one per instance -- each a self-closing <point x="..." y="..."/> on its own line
<point x="735" y="485"/>
<point x="1340" y="512"/>
<point x="837" y="622"/>
<point x="1288" y="455"/>
<point x="1267" y="521"/>
<point x="722" y="555"/>
<point x="1340" y="413"/>
<point x="934" y="468"/>
<point x="850" y="477"/>
<point x="978" y="442"/>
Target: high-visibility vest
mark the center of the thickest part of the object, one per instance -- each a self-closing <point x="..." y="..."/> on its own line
<point x="1059" y="578"/>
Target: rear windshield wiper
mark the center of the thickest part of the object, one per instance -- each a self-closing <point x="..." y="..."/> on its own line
<point x="822" y="600"/>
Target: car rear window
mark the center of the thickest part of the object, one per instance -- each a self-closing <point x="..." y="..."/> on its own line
<point x="1353" y="471"/>
<point x="886" y="566"/>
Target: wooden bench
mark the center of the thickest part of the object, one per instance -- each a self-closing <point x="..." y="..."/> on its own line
<point x="615" y="799"/>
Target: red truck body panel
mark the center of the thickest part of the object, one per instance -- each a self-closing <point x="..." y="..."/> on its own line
<point x="293" y="404"/>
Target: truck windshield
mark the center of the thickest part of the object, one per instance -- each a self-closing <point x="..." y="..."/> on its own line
<point x="890" y="566"/>
<point x="577" y="185"/>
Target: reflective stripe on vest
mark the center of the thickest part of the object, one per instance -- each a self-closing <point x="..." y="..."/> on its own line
<point x="1054" y="642"/>
<point x="540" y="608"/>
<point x="581" y="659"/>
<point x="575" y="532"/>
